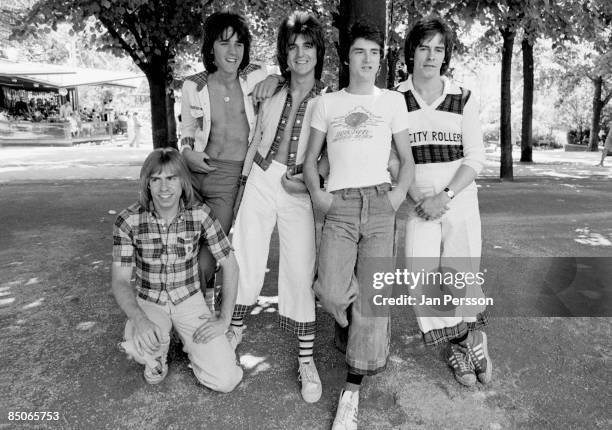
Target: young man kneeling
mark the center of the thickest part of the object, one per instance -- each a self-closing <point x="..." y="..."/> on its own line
<point x="160" y="236"/>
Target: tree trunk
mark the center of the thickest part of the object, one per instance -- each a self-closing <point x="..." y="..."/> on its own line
<point x="349" y="11"/>
<point x="505" y="135"/>
<point x="527" y="120"/>
<point x="597" y="108"/>
<point x="171" y="119"/>
<point x="392" y="58"/>
<point x="156" y="75"/>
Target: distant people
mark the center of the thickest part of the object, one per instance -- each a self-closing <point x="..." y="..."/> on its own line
<point x="74" y="125"/>
<point x="135" y="129"/>
<point x="158" y="237"/>
<point x="37" y="116"/>
<point x="443" y="229"/>
<point x="21" y="108"/>
<point x="607" y="146"/>
<point x="65" y="110"/>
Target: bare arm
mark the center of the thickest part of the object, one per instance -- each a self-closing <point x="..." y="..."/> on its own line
<point x="265" y="89"/>
<point x="321" y="200"/>
<point x="405" y="175"/>
<point x="147" y="335"/>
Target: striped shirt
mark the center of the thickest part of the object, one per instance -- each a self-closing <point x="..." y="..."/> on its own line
<point x="166" y="256"/>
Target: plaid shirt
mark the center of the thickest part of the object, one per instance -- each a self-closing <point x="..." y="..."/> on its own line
<point x="166" y="257"/>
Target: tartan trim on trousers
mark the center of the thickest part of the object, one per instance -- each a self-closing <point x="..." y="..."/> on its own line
<point x="240" y="311"/>
<point x="425" y="154"/>
<point x="296" y="327"/>
<point x="442" y="335"/>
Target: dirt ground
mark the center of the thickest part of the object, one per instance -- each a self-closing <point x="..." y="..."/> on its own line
<point x="59" y="324"/>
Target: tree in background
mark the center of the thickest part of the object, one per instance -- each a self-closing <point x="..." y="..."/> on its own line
<point x="542" y="18"/>
<point x="150" y="32"/>
<point x="349" y="11"/>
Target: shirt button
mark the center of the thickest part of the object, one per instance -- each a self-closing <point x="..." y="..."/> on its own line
<point x="297" y="121"/>
<point x="294" y="138"/>
<point x="283" y="121"/>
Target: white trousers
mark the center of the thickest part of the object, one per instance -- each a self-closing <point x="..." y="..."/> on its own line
<point x="265" y="204"/>
<point x="214" y="362"/>
<point x="452" y="241"/>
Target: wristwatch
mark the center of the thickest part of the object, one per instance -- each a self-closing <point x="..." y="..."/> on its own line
<point x="450" y="193"/>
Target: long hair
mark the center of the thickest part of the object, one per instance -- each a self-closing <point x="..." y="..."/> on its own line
<point x="423" y="30"/>
<point x="214" y="26"/>
<point x="305" y="24"/>
<point x="364" y="30"/>
<point x="156" y="161"/>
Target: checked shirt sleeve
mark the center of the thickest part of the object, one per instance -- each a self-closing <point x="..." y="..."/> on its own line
<point x="214" y="237"/>
<point x="123" y="247"/>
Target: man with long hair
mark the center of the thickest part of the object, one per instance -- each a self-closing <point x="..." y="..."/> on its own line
<point x="160" y="236"/>
<point x="275" y="194"/>
<point x="218" y="121"/>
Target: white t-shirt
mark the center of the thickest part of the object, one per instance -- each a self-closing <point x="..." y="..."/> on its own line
<point x="359" y="131"/>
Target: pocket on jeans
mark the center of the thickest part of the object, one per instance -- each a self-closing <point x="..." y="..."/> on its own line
<point x="333" y="203"/>
<point x="388" y="200"/>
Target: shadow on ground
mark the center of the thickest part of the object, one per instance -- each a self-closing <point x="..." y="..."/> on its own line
<point x="59" y="327"/>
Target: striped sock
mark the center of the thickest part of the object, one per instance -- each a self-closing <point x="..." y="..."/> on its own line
<point x="237" y="322"/>
<point x="306" y="344"/>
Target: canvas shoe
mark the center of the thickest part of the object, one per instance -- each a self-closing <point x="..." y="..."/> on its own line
<point x="154" y="375"/>
<point x="234" y="336"/>
<point x="458" y="361"/>
<point x="311" y="384"/>
<point x="348" y="407"/>
<point x="478" y="354"/>
<point x="156" y="368"/>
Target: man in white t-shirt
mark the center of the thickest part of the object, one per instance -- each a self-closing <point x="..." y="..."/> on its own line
<point x="359" y="123"/>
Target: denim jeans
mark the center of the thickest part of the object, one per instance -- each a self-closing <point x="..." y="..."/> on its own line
<point x="359" y="225"/>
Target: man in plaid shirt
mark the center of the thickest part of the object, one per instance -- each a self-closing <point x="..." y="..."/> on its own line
<point x="160" y="236"/>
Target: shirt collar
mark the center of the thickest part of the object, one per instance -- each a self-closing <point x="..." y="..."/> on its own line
<point x="449" y="86"/>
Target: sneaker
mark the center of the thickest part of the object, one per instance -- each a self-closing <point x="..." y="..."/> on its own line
<point x="154" y="375"/>
<point x="234" y="335"/>
<point x="346" y="415"/>
<point x="156" y="368"/>
<point x="457" y="359"/>
<point x="311" y="384"/>
<point x="478" y="354"/>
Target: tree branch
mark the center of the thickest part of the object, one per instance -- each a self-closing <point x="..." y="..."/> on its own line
<point x="126" y="46"/>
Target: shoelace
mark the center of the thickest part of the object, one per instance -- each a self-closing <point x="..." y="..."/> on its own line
<point x="465" y="364"/>
<point x="307" y="373"/>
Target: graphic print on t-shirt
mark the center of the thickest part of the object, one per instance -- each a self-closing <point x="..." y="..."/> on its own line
<point x="357" y="124"/>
